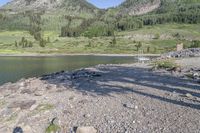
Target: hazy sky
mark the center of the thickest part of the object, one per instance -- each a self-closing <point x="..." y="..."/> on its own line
<point x="98" y="3"/>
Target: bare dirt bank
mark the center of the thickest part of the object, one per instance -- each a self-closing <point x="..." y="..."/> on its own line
<point x="111" y="98"/>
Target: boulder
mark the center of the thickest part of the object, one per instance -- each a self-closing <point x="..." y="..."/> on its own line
<point x="18" y="130"/>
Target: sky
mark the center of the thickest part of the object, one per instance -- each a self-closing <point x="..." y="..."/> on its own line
<point x="2" y="2"/>
<point x="98" y="3"/>
<point x="105" y="3"/>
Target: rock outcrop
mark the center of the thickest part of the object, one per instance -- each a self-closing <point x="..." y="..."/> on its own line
<point x="133" y="7"/>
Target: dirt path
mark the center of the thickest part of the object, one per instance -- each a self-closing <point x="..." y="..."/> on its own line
<point x="111" y="98"/>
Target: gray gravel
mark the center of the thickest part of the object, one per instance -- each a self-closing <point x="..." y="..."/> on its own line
<point x="191" y="52"/>
<point x="110" y="98"/>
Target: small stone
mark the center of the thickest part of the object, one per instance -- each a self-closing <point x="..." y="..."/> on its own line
<point x="196" y="75"/>
<point x="86" y="115"/>
<point x="22" y="84"/>
<point x="84" y="101"/>
<point x="178" y="69"/>
<point x="129" y="105"/>
<point x="1" y="96"/>
<point x="71" y="98"/>
<point x="189" y="95"/>
<point x="33" y="107"/>
<point x="67" y="112"/>
<point x="112" y="121"/>
<point x="174" y="94"/>
<point x="27" y="129"/>
<point x="88" y="129"/>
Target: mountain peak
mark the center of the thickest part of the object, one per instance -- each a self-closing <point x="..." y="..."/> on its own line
<point x="48" y="5"/>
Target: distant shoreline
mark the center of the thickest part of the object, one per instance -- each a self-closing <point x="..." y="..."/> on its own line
<point x="92" y="54"/>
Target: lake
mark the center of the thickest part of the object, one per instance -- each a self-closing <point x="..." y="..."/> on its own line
<point x="15" y="68"/>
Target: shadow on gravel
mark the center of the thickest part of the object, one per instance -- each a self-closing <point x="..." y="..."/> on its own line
<point x="119" y="80"/>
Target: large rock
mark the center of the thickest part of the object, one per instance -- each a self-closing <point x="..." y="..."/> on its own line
<point x="86" y="130"/>
<point x="18" y="130"/>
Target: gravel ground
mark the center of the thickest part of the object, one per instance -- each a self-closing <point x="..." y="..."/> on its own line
<point x="191" y="52"/>
<point x="189" y="62"/>
<point x="126" y="98"/>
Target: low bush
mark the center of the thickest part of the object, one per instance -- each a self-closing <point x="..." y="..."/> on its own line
<point x="195" y="44"/>
<point x="168" y="64"/>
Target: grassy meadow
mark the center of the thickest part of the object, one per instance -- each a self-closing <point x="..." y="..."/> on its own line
<point x="153" y="39"/>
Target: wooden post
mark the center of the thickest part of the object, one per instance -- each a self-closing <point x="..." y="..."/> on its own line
<point x="179" y="47"/>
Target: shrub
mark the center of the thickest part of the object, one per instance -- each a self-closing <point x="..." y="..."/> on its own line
<point x="113" y="42"/>
<point x="24" y="43"/>
<point x="16" y="45"/>
<point x="148" y="49"/>
<point x="42" y="43"/>
<point x="138" y="46"/>
<point x="52" y="128"/>
<point x="156" y="36"/>
<point x="195" y="44"/>
<point x="48" y="39"/>
<point x="165" y="64"/>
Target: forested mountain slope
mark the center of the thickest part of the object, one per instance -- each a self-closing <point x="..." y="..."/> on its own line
<point x="78" y="17"/>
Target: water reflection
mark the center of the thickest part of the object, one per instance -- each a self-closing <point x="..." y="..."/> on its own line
<point x="15" y="68"/>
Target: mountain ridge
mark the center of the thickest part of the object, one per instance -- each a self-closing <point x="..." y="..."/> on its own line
<point x="48" y="5"/>
<point x="136" y="7"/>
<point x="131" y="7"/>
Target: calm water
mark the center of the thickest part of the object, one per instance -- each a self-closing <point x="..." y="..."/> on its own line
<point x="15" y="68"/>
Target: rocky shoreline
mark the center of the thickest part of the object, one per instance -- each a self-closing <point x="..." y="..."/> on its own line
<point x="127" y="98"/>
<point x="191" y="52"/>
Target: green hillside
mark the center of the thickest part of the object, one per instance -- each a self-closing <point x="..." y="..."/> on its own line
<point x="77" y="26"/>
